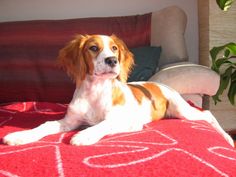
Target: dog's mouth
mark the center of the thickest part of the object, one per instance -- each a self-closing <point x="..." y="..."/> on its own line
<point x="106" y="71"/>
<point x="107" y="74"/>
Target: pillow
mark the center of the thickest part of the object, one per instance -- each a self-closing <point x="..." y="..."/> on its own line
<point x="146" y="61"/>
<point x="170" y="24"/>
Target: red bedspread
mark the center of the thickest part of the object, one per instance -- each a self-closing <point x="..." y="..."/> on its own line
<point x="169" y="147"/>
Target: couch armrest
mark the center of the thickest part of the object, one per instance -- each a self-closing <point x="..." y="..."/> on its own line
<point x="167" y="30"/>
<point x="188" y="78"/>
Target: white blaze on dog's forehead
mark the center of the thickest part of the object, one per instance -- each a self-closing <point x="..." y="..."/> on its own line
<point x="105" y="39"/>
<point x="106" y="52"/>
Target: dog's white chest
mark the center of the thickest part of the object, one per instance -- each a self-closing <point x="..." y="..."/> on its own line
<point x="92" y="102"/>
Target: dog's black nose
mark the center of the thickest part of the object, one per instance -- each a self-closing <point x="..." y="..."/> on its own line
<point x="111" y="61"/>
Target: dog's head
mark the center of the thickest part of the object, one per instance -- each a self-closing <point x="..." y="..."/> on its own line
<point x="98" y="56"/>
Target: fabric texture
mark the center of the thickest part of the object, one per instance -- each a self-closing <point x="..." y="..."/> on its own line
<point x="29" y="49"/>
<point x="146" y="62"/>
<point x="167" y="30"/>
<point x="169" y="147"/>
<point x="188" y="78"/>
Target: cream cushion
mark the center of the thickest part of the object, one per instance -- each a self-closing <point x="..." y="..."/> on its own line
<point x="167" y="30"/>
<point x="187" y="78"/>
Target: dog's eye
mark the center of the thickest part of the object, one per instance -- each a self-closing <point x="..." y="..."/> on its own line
<point x="94" y="48"/>
<point x="114" y="48"/>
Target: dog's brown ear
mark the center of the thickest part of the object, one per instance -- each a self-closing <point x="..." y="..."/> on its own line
<point x="72" y="60"/>
<point x="125" y="58"/>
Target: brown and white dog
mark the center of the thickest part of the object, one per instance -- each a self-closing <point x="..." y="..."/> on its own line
<point x="100" y="66"/>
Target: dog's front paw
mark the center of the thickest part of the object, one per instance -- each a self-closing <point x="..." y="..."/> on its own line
<point x="84" y="138"/>
<point x="18" y="138"/>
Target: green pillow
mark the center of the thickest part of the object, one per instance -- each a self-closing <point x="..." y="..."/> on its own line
<point x="146" y="62"/>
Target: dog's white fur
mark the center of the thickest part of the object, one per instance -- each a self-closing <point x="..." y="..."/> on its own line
<point x="92" y="104"/>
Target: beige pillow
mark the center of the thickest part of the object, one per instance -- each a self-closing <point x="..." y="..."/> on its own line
<point x="167" y="30"/>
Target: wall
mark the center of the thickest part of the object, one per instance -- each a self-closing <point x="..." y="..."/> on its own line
<point x="14" y="10"/>
<point x="222" y="30"/>
<point x="216" y="28"/>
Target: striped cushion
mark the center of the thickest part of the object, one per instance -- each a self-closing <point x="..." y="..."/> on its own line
<point x="28" y="50"/>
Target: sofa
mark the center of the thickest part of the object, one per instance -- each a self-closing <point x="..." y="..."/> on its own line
<point x="34" y="89"/>
<point x="29" y="49"/>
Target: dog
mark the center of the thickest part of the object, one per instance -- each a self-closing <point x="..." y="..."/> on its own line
<point x="100" y="66"/>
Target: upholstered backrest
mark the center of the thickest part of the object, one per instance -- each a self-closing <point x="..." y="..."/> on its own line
<point x="28" y="52"/>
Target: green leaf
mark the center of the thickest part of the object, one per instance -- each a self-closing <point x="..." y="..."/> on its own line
<point x="216" y="99"/>
<point x="227" y="52"/>
<point x="232" y="92"/>
<point x="215" y="51"/>
<point x="221" y="57"/>
<point x="222" y="61"/>
<point x="225" y="78"/>
<point x="224" y="82"/>
<point x="233" y="76"/>
<point x="224" y="4"/>
<point x="231" y="47"/>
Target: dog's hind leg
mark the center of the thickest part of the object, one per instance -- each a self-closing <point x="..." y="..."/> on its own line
<point x="178" y="107"/>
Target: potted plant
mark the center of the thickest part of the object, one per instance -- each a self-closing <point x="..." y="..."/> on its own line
<point x="224" y="63"/>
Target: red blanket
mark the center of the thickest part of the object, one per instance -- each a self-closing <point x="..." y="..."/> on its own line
<point x="169" y="147"/>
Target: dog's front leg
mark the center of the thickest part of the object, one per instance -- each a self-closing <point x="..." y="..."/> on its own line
<point x="117" y="121"/>
<point x="48" y="128"/>
<point x="91" y="135"/>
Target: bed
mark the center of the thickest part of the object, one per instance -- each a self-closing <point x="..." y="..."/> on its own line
<point x="33" y="90"/>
